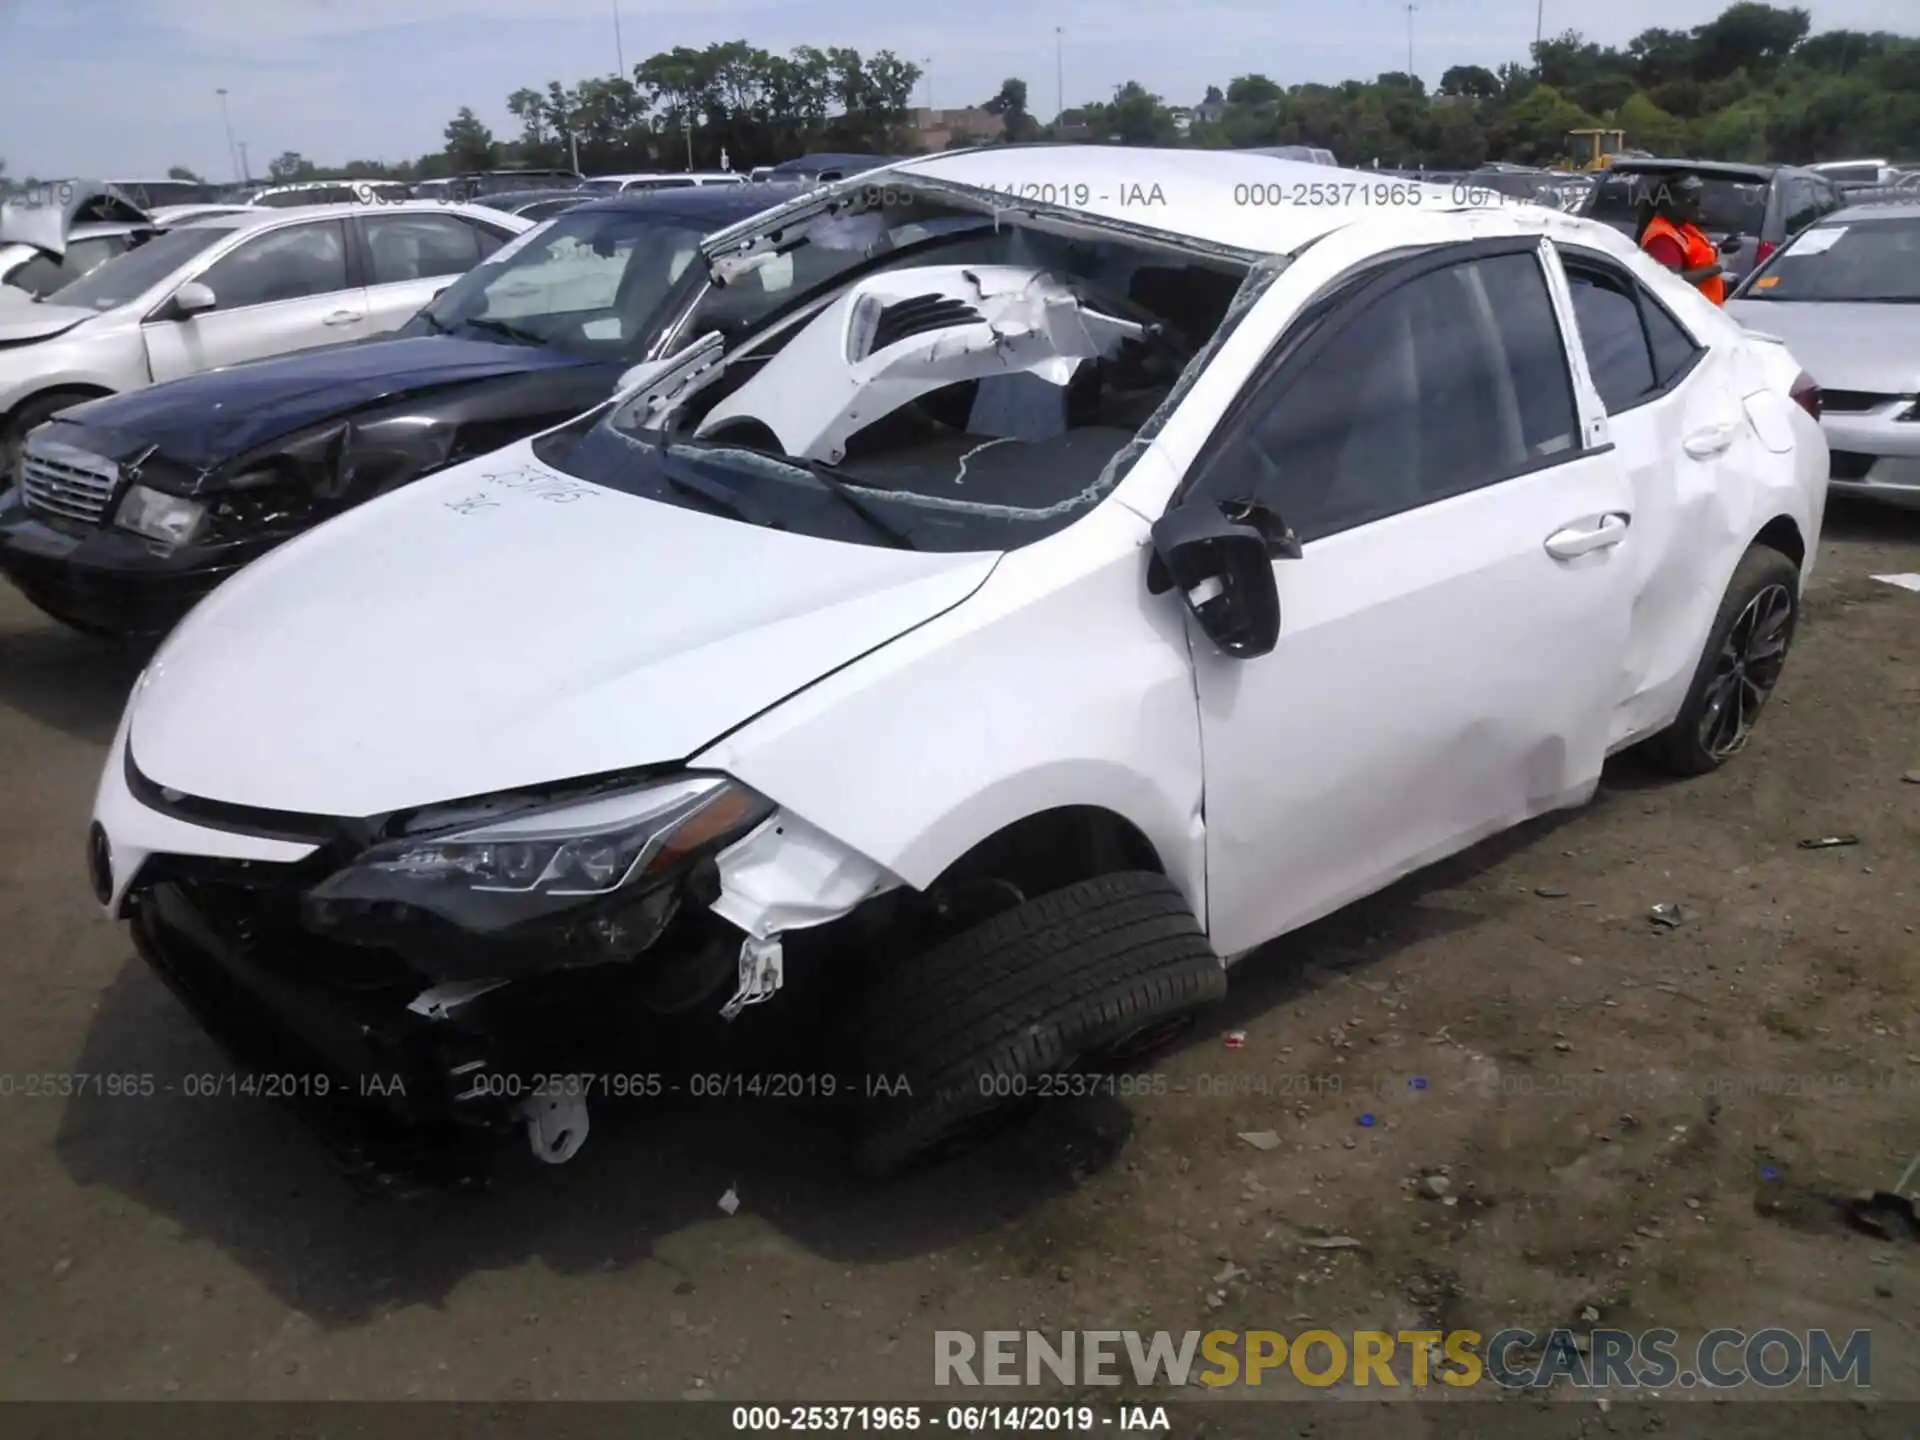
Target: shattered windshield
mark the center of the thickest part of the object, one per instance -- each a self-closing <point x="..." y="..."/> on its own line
<point x="590" y="284"/>
<point x="967" y="387"/>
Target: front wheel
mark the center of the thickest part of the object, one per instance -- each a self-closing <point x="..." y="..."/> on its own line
<point x="1100" y="971"/>
<point x="1745" y="653"/>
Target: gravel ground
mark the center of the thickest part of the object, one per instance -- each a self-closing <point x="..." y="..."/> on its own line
<point x="1632" y="1121"/>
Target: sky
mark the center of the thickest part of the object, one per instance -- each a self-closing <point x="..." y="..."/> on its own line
<point x="127" y="88"/>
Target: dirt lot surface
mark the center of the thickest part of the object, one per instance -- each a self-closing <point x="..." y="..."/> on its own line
<point x="1629" y="1121"/>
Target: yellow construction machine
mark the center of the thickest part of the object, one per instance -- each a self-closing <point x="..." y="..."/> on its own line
<point x="1593" y="149"/>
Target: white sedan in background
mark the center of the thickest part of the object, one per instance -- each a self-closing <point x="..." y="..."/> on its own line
<point x="231" y="288"/>
<point x="1845" y="296"/>
<point x="1064" y="597"/>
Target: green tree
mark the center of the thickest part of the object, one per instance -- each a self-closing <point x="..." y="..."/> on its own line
<point x="469" y="143"/>
<point x="1010" y="104"/>
<point x="1475" y="82"/>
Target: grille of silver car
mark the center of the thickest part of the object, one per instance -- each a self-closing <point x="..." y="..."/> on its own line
<point x="66" y="482"/>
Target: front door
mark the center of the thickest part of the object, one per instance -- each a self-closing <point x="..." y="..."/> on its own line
<point x="1452" y="635"/>
<point x="280" y="291"/>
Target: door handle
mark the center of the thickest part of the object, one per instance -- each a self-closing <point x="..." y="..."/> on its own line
<point x="1713" y="440"/>
<point x="1584" y="536"/>
<point x="344" y="317"/>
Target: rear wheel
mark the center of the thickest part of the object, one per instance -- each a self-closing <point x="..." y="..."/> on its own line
<point x="1099" y="973"/>
<point x="1745" y="653"/>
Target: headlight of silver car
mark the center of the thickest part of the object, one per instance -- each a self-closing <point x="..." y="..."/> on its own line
<point x="584" y="855"/>
<point x="160" y="516"/>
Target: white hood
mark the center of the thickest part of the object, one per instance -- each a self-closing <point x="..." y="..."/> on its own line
<point x="24" y="318"/>
<point x="426" y="647"/>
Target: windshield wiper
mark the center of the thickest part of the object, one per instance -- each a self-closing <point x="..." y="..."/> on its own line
<point x="503" y="328"/>
<point x="717" y="497"/>
<point x="834" y="481"/>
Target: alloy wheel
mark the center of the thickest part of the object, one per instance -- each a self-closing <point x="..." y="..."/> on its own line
<point x="1746" y="670"/>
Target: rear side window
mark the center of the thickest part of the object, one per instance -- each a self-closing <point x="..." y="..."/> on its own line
<point x="1802" y="203"/>
<point x="418" y="247"/>
<point x="1614" y="338"/>
<point x="1455" y="380"/>
<point x="1673" y="349"/>
<point x="1634" y="348"/>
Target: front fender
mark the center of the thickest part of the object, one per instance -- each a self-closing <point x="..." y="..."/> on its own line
<point x="1060" y="682"/>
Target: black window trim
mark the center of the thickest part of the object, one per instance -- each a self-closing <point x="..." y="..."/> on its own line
<point x="1283" y="358"/>
<point x="1573" y="254"/>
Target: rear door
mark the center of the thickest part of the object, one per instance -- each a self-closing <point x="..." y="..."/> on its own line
<point x="411" y="256"/>
<point x="1681" y="433"/>
<point x="1453" y="632"/>
<point x="285" y="289"/>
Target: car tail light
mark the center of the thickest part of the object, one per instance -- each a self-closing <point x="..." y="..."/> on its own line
<point x="1806" y="394"/>
<point x="1761" y="251"/>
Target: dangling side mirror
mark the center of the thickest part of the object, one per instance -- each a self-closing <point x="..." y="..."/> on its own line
<point x="1220" y="558"/>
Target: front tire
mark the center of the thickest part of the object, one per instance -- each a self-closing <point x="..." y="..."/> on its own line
<point x="1744" y="655"/>
<point x="1071" y="980"/>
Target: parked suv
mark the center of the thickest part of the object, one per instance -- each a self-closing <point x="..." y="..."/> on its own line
<point x="957" y="667"/>
<point x="133" y="507"/>
<point x="1749" y="211"/>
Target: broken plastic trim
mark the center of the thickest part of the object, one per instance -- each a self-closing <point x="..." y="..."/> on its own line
<point x="787" y="875"/>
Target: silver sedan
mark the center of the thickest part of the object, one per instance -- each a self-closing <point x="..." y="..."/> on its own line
<point x="1845" y="296"/>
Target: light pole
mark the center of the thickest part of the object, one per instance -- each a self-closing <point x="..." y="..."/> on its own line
<point x="926" y="64"/>
<point x="1411" y="7"/>
<point x="686" y="119"/>
<point x="1539" y="25"/>
<point x="226" y="120"/>
<point x="246" y="169"/>
<point x="1059" y="74"/>
<point x="619" y="50"/>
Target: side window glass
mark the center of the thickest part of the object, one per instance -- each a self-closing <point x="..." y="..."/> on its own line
<point x="418" y="247"/>
<point x="491" y="240"/>
<point x="1454" y="380"/>
<point x="1802" y="204"/>
<point x="289" y="264"/>
<point x="1613" y="338"/>
<point x="1513" y="294"/>
<point x="1673" y="348"/>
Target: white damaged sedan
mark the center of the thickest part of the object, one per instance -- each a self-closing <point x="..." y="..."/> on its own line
<point x="1115" y="560"/>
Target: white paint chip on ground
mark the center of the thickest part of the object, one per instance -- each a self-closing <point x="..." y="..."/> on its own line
<point x="1908" y="581"/>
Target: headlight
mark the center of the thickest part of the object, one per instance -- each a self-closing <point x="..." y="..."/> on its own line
<point x="160" y="516"/>
<point x="543" y="862"/>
